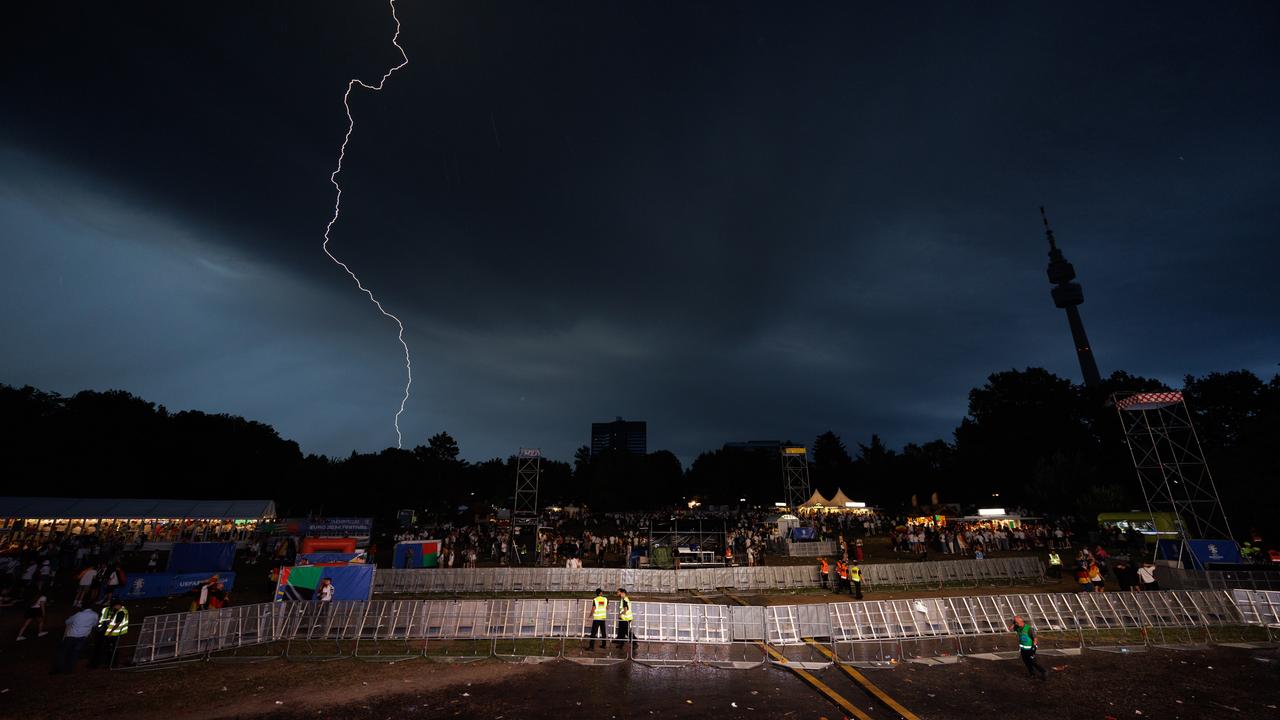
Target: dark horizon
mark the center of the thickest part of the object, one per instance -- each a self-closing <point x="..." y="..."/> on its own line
<point x="731" y="223"/>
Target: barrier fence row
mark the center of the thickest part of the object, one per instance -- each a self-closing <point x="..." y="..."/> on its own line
<point x="814" y="549"/>
<point x="869" y="633"/>
<point x="509" y="579"/>
<point x="1251" y="579"/>
<point x="1259" y="607"/>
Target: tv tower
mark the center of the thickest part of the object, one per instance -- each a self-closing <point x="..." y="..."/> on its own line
<point x="1068" y="295"/>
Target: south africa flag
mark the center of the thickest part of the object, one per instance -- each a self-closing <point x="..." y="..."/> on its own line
<point x="298" y="584"/>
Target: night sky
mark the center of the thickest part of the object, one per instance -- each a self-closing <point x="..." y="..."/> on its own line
<point x="733" y="220"/>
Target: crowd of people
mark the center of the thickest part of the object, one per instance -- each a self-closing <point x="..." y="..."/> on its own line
<point x="133" y="534"/>
<point x="585" y="539"/>
<point x="977" y="538"/>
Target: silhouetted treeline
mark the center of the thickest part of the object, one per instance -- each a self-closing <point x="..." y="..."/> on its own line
<point x="1029" y="438"/>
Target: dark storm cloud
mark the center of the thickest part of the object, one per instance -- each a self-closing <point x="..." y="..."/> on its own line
<point x="734" y="221"/>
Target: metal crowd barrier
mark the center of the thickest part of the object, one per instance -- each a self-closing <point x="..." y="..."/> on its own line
<point x="1259" y="607"/>
<point x="811" y="549"/>
<point x="867" y="633"/>
<point x="971" y="573"/>
<point x="1251" y="579"/>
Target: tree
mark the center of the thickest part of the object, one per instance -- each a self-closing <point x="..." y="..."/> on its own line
<point x="582" y="463"/>
<point x="875" y="470"/>
<point x="443" y="447"/>
<point x="1016" y="420"/>
<point x="831" y="467"/>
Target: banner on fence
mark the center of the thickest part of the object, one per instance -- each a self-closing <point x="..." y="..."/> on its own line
<point x="321" y="527"/>
<point x="331" y="558"/>
<point x="154" y="585"/>
<point x="416" y="554"/>
<point x="1213" y="551"/>
<point x="206" y="557"/>
<point x="350" y="582"/>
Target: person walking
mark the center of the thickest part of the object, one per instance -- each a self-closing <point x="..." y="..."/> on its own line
<point x="624" y="620"/>
<point x="1147" y="577"/>
<point x="842" y="576"/>
<point x="599" y="611"/>
<point x="76" y="633"/>
<point x="34" y="613"/>
<point x="86" y="578"/>
<point x="1027" y="644"/>
<point x="115" y="574"/>
<point x="1055" y="565"/>
<point x="112" y="624"/>
<point x="855" y="577"/>
<point x="824" y="572"/>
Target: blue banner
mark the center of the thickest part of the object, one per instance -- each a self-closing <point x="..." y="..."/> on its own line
<point x="154" y="585"/>
<point x="803" y="533"/>
<point x="350" y="582"/>
<point x="1213" y="551"/>
<point x="208" y="557"/>
<point x="339" y="527"/>
<point x="322" y="558"/>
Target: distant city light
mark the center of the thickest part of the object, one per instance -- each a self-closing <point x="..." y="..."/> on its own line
<point x="742" y="499"/>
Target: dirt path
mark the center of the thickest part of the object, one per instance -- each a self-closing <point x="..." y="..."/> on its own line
<point x="211" y="690"/>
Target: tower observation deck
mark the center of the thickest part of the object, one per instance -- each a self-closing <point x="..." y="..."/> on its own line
<point x="1068" y="295"/>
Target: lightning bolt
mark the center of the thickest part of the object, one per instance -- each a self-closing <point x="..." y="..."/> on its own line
<point x="337" y="208"/>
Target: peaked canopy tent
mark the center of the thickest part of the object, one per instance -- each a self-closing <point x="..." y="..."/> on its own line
<point x="27" y="519"/>
<point x="815" y="502"/>
<point x="838" y="503"/>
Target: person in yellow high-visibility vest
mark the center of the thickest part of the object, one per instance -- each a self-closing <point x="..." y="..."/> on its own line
<point x="1055" y="564"/>
<point x="112" y="624"/>
<point x="855" y="577"/>
<point x="599" y="610"/>
<point x="624" y="620"/>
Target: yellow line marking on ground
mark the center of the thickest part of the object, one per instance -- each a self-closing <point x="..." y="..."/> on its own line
<point x="805" y="675"/>
<point x="820" y="686"/>
<point x="864" y="682"/>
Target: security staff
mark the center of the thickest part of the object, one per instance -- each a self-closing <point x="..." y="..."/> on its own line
<point x="599" y="609"/>
<point x="842" y="576"/>
<point x="624" y="620"/>
<point x="1027" y="646"/>
<point x="1055" y="564"/>
<point x="825" y="569"/>
<point x="855" y="576"/>
<point x="112" y="623"/>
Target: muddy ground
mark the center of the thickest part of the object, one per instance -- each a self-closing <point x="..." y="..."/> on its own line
<point x="1177" y="684"/>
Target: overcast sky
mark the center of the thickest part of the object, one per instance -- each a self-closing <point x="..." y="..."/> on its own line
<point x="733" y="220"/>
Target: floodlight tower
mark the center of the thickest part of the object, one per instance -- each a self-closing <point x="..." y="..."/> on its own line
<point x="795" y="475"/>
<point x="1171" y="466"/>
<point x="1068" y="295"/>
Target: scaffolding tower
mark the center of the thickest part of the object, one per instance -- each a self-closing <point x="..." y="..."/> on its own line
<point x="1171" y="466"/>
<point x="524" y="505"/>
<point x="795" y="475"/>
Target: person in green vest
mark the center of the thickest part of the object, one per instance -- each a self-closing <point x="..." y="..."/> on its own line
<point x="1055" y="565"/>
<point x="599" y="610"/>
<point x="1027" y="646"/>
<point x="855" y="578"/>
<point x="624" y="620"/>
